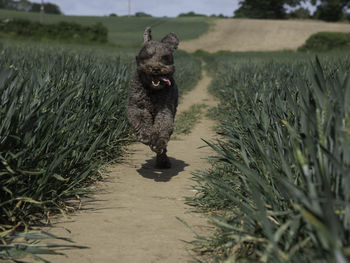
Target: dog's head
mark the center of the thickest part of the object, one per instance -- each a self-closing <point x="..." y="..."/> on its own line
<point x="155" y="61"/>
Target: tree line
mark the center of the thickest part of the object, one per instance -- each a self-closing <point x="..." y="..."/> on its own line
<point x="25" y="5"/>
<point x="328" y="10"/>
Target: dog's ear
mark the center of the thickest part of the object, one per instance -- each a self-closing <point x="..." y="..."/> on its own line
<point x="171" y="40"/>
<point x="147" y="35"/>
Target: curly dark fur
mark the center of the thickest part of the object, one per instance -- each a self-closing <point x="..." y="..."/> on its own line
<point x="153" y="95"/>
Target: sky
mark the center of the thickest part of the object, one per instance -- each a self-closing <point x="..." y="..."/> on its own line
<point x="159" y="8"/>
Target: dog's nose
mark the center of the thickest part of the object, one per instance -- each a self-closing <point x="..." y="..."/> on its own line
<point x="156" y="69"/>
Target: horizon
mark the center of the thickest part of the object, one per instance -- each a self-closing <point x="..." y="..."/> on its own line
<point x="156" y="8"/>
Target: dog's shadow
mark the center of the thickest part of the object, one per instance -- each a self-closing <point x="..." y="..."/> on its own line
<point x="149" y="171"/>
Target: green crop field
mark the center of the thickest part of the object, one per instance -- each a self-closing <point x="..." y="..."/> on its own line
<point x="278" y="187"/>
<point x="126" y="32"/>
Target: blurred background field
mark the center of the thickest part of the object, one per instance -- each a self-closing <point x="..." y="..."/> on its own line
<point x="125" y="32"/>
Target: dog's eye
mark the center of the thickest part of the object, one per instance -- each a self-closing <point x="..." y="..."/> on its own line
<point x="144" y="56"/>
<point x="167" y="59"/>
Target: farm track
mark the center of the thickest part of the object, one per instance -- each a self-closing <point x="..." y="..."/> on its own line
<point x="132" y="215"/>
<point x="259" y="35"/>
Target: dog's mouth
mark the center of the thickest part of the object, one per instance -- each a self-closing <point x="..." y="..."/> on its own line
<point x="157" y="80"/>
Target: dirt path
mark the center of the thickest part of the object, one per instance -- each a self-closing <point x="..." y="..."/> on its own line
<point x="132" y="218"/>
<point x="259" y="35"/>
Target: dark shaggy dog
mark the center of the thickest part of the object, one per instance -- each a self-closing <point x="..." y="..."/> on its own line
<point x="153" y="95"/>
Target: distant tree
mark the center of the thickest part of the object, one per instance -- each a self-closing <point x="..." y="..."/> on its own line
<point x="35" y="7"/>
<point x="300" y="13"/>
<point x="141" y="14"/>
<point x="48" y="7"/>
<point x="190" y="14"/>
<point x="331" y="10"/>
<point x="52" y="9"/>
<point x="218" y="16"/>
<point x="24" y="5"/>
<point x="113" y="14"/>
<point x="7" y="4"/>
<point x="272" y="9"/>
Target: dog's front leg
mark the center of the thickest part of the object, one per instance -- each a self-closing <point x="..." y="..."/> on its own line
<point x="142" y="122"/>
<point x="162" y="129"/>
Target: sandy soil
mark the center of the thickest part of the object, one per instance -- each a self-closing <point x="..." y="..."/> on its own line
<point x="132" y="217"/>
<point x="259" y="35"/>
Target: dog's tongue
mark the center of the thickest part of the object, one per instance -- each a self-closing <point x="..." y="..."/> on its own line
<point x="166" y="80"/>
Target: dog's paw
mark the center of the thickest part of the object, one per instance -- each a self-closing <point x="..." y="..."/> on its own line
<point x="162" y="143"/>
<point x="159" y="145"/>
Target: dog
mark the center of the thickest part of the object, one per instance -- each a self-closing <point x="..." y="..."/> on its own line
<point x="153" y="95"/>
